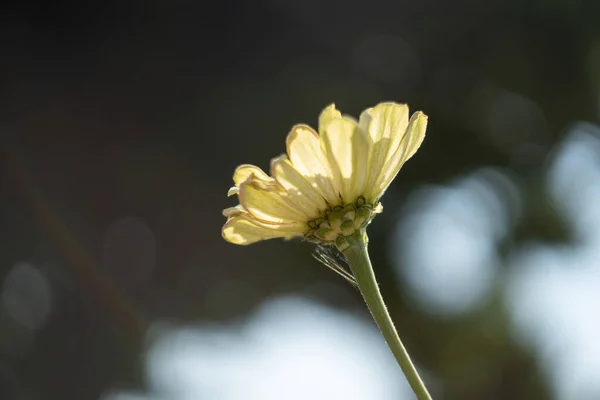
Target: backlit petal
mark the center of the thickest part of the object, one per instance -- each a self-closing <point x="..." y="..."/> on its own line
<point x="243" y="231"/>
<point x="233" y="211"/>
<point x="347" y="150"/>
<point x="269" y="205"/>
<point x="385" y="126"/>
<point x="244" y="171"/>
<point x="304" y="195"/>
<point x="415" y="133"/>
<point x="233" y="191"/>
<point x="328" y="114"/>
<point x="304" y="151"/>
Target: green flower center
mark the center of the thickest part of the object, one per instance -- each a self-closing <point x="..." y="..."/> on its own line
<point x="339" y="222"/>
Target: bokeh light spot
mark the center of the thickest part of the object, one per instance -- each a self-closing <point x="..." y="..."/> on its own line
<point x="292" y="349"/>
<point x="445" y="247"/>
<point x="553" y="292"/>
<point x="27" y="296"/>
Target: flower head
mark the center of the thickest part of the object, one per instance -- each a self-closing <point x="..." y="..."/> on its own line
<point x="329" y="184"/>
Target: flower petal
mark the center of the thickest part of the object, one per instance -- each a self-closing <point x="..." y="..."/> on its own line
<point x="347" y="150"/>
<point x="411" y="140"/>
<point x="329" y="113"/>
<point x="233" y="211"/>
<point x="385" y="126"/>
<point x="304" y="195"/>
<point x="243" y="231"/>
<point x="304" y="151"/>
<point x="269" y="204"/>
<point x="244" y="171"/>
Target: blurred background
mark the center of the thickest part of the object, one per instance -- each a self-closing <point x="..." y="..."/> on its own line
<point x="121" y="124"/>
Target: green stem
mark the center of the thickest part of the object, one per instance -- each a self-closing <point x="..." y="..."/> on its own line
<point x="360" y="264"/>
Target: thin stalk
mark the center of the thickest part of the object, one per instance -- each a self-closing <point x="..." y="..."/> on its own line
<point x="360" y="264"/>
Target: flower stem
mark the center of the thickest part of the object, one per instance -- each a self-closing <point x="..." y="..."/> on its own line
<point x="360" y="264"/>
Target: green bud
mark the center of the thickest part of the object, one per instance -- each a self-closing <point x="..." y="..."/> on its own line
<point x="347" y="227"/>
<point x="362" y="216"/>
<point x="361" y="201"/>
<point x="326" y="234"/>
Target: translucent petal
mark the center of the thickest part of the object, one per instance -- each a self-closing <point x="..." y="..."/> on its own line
<point x="243" y="172"/>
<point x="269" y="205"/>
<point x="347" y="149"/>
<point x="242" y="231"/>
<point x="415" y="133"/>
<point x="303" y="194"/>
<point x="385" y="126"/>
<point x="233" y="191"/>
<point x="233" y="211"/>
<point x="329" y="113"/>
<point x="304" y="151"/>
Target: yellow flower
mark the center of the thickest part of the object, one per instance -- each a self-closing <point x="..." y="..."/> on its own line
<point x="329" y="184"/>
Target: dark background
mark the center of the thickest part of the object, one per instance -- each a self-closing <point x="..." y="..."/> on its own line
<point x="122" y="123"/>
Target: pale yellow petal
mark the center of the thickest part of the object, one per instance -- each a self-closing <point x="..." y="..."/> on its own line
<point x="269" y="205"/>
<point x="329" y="113"/>
<point x="298" y="187"/>
<point x="415" y="133"/>
<point x="244" y="171"/>
<point x="304" y="151"/>
<point x="385" y="126"/>
<point x="233" y="211"/>
<point x="243" y="231"/>
<point x="233" y="191"/>
<point x="347" y="149"/>
<point x="361" y="149"/>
